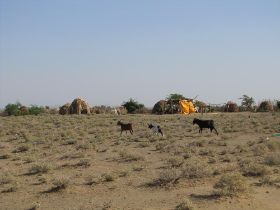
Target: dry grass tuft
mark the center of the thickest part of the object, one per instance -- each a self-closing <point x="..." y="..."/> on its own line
<point x="196" y="168"/>
<point x="127" y="156"/>
<point x="231" y="185"/>
<point x="185" y="205"/>
<point x="39" y="168"/>
<point x="166" y="178"/>
<point x="272" y="159"/>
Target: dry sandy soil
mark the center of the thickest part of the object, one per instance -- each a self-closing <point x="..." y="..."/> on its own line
<point x="82" y="162"/>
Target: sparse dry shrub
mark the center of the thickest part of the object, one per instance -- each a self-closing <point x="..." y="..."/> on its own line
<point x="273" y="145"/>
<point x="59" y="183"/>
<point x="270" y="180"/>
<point x="165" y="178"/>
<point x="4" y="156"/>
<point x="5" y="178"/>
<point x="91" y="180"/>
<point x="186" y="204"/>
<point x="272" y="159"/>
<point x="259" y="150"/>
<point x="83" y="163"/>
<point x="196" y="168"/>
<point x="161" y="146"/>
<point x="69" y="142"/>
<point x="250" y="168"/>
<point x="84" y="146"/>
<point x="233" y="184"/>
<point x="175" y="162"/>
<point x="38" y="168"/>
<point x="265" y="106"/>
<point x="11" y="188"/>
<point x="106" y="177"/>
<point x="126" y="156"/>
<point x="22" y="148"/>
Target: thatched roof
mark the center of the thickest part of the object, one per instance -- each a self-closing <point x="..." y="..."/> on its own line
<point x="231" y="107"/>
<point x="64" y="109"/>
<point x="166" y="107"/>
<point x="266" y="106"/>
<point x="79" y="106"/>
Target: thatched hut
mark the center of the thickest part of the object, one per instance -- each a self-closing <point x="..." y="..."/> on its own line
<point x="64" y="109"/>
<point x="23" y="110"/>
<point x="79" y="106"/>
<point x="265" y="106"/>
<point x="167" y="107"/>
<point x="231" y="107"/>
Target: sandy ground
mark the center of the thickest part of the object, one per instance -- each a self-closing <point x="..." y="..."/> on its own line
<point x="102" y="170"/>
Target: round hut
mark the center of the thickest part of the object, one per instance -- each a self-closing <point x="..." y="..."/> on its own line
<point x="64" y="109"/>
<point x="79" y="106"/>
<point x="266" y="106"/>
<point x="231" y="107"/>
<point x="24" y="110"/>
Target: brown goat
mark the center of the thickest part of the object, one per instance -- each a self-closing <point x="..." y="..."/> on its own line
<point x="125" y="127"/>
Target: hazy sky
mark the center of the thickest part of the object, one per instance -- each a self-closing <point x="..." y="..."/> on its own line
<point x="106" y="51"/>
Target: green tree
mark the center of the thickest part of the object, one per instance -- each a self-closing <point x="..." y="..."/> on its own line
<point x="13" y="109"/>
<point x="175" y="96"/>
<point x="35" y="110"/>
<point x="247" y="102"/>
<point x="132" y="106"/>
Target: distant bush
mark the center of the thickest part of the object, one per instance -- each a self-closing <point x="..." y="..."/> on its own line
<point x="175" y="96"/>
<point x="13" y="109"/>
<point x="35" y="110"/>
<point x="132" y="106"/>
<point x="17" y="109"/>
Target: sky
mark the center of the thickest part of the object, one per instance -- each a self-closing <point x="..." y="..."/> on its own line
<point x="109" y="51"/>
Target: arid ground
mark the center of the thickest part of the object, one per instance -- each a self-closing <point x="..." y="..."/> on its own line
<point x="82" y="162"/>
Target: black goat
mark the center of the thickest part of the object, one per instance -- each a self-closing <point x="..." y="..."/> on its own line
<point x="125" y="127"/>
<point x="205" y="124"/>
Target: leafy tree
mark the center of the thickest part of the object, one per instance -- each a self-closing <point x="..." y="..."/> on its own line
<point x="13" y="109"/>
<point x="132" y="106"/>
<point x="175" y="96"/>
<point x="35" y="110"/>
<point x="247" y="102"/>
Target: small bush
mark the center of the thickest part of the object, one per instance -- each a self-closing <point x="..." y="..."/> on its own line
<point x="107" y="177"/>
<point x="126" y="156"/>
<point x="196" y="168"/>
<point x="22" y="148"/>
<point x="35" y="110"/>
<point x="273" y="145"/>
<point x="175" y="162"/>
<point x="253" y="169"/>
<point x="84" y="163"/>
<point x="185" y="205"/>
<point x="231" y="185"/>
<point x="13" y="109"/>
<point x="59" y="184"/>
<point x="165" y="178"/>
<point x="39" y="169"/>
<point x="5" y="178"/>
<point x="269" y="180"/>
<point x="272" y="159"/>
<point x="132" y="106"/>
